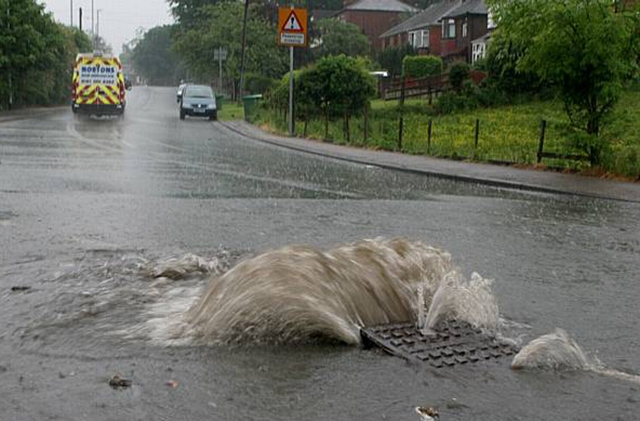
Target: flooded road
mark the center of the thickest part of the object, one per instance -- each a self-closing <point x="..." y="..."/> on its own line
<point x="95" y="213"/>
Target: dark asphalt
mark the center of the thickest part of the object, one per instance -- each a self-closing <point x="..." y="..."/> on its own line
<point x="495" y="175"/>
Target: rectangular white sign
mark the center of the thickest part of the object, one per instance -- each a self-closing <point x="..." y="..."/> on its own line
<point x="98" y="75"/>
<point x="292" y="38"/>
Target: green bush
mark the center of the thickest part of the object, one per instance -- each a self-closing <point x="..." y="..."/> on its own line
<point x="422" y="66"/>
<point x="458" y="73"/>
<point x="259" y="84"/>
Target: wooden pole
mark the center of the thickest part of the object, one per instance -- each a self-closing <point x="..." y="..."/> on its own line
<point x="429" y="136"/>
<point x="543" y="126"/>
<point x="477" y="134"/>
<point x="401" y="107"/>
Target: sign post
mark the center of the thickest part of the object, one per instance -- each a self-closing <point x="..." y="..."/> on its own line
<point x="220" y="54"/>
<point x="292" y="32"/>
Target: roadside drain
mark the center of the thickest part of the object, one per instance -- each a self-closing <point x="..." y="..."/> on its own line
<point x="451" y="343"/>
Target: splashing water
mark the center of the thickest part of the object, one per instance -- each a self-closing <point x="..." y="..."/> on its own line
<point x="557" y="351"/>
<point x="471" y="301"/>
<point x="298" y="293"/>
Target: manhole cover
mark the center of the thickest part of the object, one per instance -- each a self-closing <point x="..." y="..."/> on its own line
<point x="452" y="343"/>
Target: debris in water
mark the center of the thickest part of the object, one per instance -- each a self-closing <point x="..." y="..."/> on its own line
<point x="20" y="288"/>
<point x="427" y="413"/>
<point x="118" y="382"/>
<point x="172" y="383"/>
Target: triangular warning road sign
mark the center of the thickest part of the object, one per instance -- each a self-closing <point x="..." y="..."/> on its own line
<point x="292" y="24"/>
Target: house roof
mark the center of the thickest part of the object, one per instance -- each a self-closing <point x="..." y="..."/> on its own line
<point x="429" y="16"/>
<point x="482" y="39"/>
<point x="471" y="7"/>
<point x="381" y="6"/>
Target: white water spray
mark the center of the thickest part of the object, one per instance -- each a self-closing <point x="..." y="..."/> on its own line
<point x="557" y="351"/>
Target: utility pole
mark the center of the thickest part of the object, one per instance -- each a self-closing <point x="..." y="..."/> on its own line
<point x="80" y="19"/>
<point x="93" y="27"/>
<point x="98" y="22"/>
<point x="244" y="44"/>
<point x="71" y="13"/>
<point x="10" y="82"/>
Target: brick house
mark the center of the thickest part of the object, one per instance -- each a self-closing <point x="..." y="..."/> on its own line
<point x="374" y="17"/>
<point x="462" y="25"/>
<point x="445" y="29"/>
<point x="422" y="31"/>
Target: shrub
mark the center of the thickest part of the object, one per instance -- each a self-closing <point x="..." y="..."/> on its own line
<point x="422" y="66"/>
<point x="458" y="73"/>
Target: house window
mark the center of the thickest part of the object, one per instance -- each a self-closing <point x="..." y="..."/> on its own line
<point x="419" y="39"/>
<point x="478" y="51"/>
<point x="425" y="38"/>
<point x="449" y="28"/>
<point x="464" y="29"/>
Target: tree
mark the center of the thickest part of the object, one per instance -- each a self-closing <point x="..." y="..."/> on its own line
<point x="391" y="59"/>
<point x="337" y="37"/>
<point x="220" y="28"/>
<point x="580" y="47"/>
<point x="36" y="55"/>
<point x="337" y="86"/>
<point x="153" y="58"/>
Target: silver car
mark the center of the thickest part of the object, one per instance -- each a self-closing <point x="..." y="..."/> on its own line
<point x="198" y="101"/>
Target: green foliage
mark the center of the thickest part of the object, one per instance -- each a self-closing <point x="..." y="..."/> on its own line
<point x="581" y="48"/>
<point x="422" y="66"/>
<point x="339" y="85"/>
<point x="391" y="59"/>
<point x="341" y="38"/>
<point x="153" y="58"/>
<point x="36" y="55"/>
<point x="501" y="62"/>
<point x="458" y="74"/>
<point x="220" y="26"/>
<point x="255" y="83"/>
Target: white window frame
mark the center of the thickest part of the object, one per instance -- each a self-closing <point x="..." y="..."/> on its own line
<point x="424" y="38"/>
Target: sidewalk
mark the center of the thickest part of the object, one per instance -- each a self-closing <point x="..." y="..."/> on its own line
<point x="495" y="175"/>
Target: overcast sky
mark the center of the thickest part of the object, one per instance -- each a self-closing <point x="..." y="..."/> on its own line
<point x="119" y="19"/>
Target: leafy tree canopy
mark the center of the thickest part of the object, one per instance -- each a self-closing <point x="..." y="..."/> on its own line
<point x="220" y="28"/>
<point x="36" y="55"/>
<point x="581" y="47"/>
<point x="153" y="58"/>
<point x="337" y="37"/>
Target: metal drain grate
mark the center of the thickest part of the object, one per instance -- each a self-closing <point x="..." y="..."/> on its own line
<point x="452" y="343"/>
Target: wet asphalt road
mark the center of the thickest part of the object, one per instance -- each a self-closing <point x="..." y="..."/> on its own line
<point x="82" y="202"/>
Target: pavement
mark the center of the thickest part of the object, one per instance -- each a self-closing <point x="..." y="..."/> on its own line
<point x="489" y="174"/>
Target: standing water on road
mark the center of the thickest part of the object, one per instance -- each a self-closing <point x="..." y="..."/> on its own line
<point x="300" y="294"/>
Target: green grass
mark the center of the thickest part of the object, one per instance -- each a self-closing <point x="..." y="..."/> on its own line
<point x="507" y="134"/>
<point x="230" y="111"/>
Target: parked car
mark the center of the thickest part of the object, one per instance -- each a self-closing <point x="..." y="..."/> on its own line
<point x="198" y="101"/>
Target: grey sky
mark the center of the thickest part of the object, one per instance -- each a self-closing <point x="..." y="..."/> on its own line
<point x="119" y="19"/>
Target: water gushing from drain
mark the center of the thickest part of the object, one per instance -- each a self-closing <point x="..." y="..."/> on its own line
<point x="558" y="351"/>
<point x="298" y="293"/>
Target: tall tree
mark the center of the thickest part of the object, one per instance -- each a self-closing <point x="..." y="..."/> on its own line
<point x="336" y="37"/>
<point x="581" y="47"/>
<point x="153" y="57"/>
<point x="197" y="46"/>
<point x="36" y="54"/>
